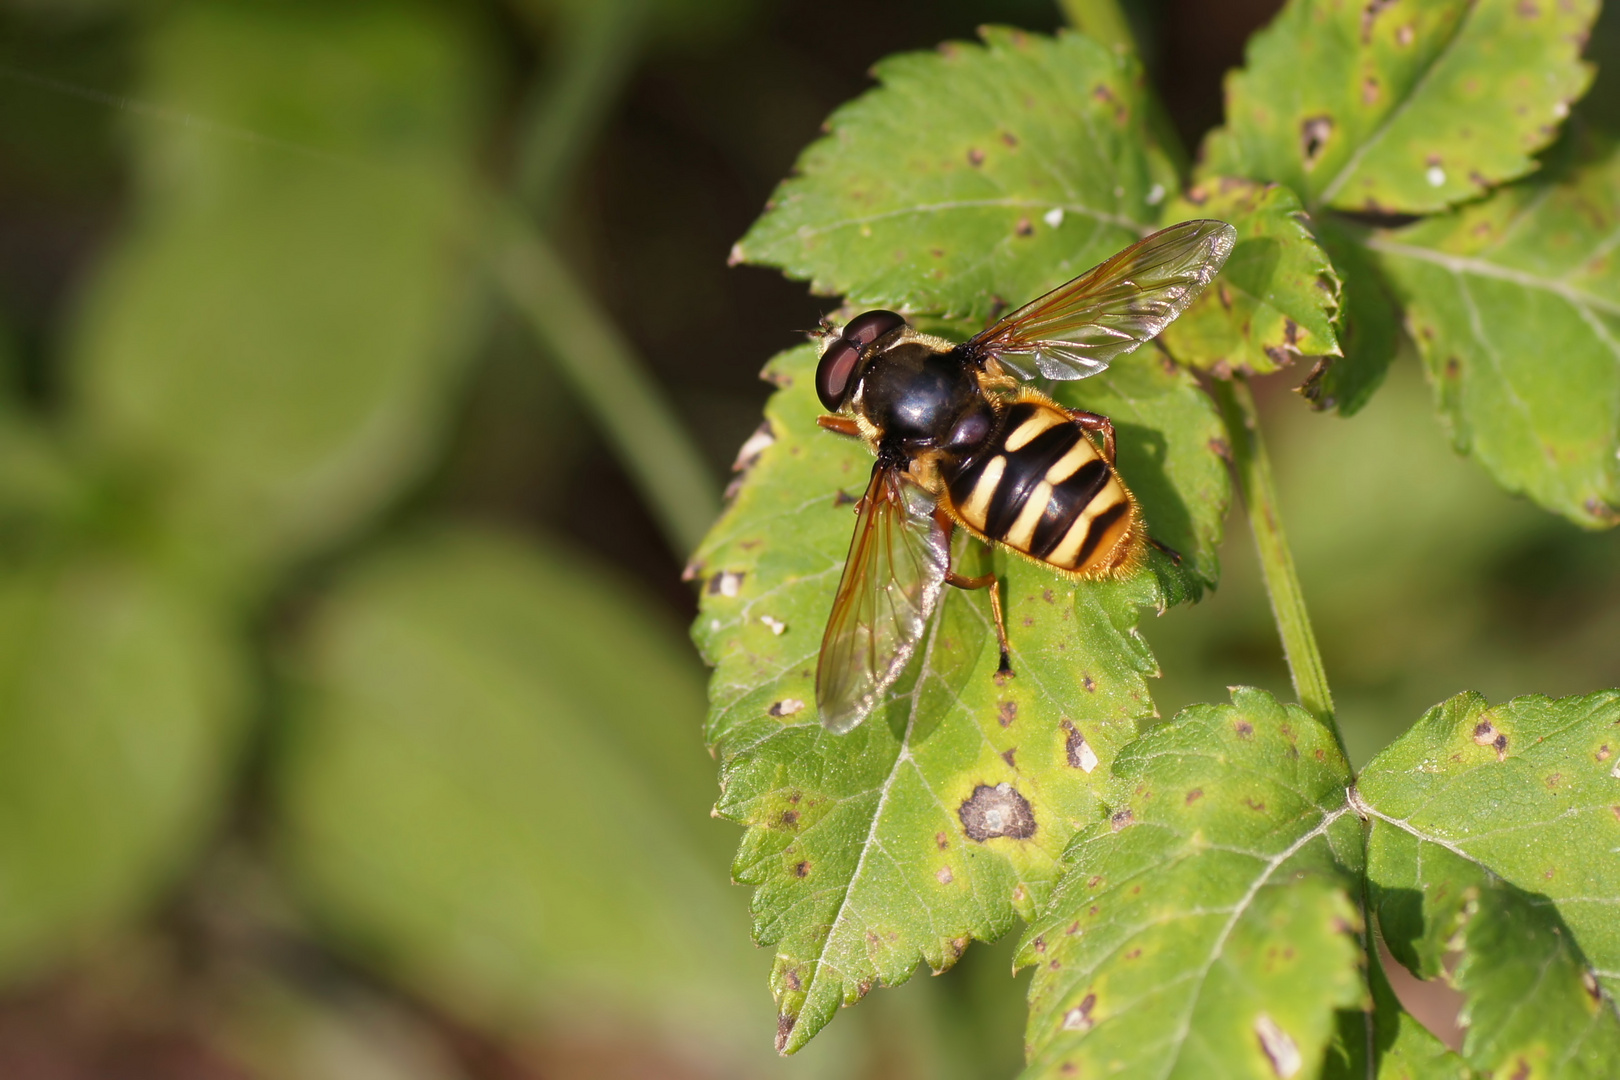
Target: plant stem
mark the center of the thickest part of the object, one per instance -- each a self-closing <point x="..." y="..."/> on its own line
<point x="593" y="54"/>
<point x="609" y="379"/>
<point x="1101" y="21"/>
<point x="1253" y="468"/>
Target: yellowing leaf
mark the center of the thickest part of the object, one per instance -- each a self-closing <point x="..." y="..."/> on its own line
<point x="1401" y="106"/>
<point x="972" y="179"/>
<point x="1277" y="296"/>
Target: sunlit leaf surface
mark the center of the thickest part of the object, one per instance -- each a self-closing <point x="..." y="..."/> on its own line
<point x="1495" y="855"/>
<point x="941" y="818"/>
<point x="1405" y="106"/>
<point x="973" y="179"/>
<point x="1515" y="305"/>
<point x="1203" y="928"/>
<point x="1277" y="296"/>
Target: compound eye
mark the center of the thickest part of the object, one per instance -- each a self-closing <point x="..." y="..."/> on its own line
<point x="868" y="327"/>
<point x="832" y="374"/>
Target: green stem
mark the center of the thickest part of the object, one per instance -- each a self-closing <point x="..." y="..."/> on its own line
<point x="592" y="56"/>
<point x="1105" y="22"/>
<point x="609" y="379"/>
<point x="1101" y="21"/>
<point x="1253" y="468"/>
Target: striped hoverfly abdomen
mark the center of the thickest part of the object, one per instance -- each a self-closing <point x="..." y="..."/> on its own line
<point x="1041" y="487"/>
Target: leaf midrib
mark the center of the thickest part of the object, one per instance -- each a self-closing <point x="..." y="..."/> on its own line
<point x="1464" y="264"/>
<point x="1378" y="133"/>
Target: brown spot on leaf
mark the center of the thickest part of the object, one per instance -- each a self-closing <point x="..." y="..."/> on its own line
<point x="1603" y="752"/>
<point x="1009" y="138"/>
<point x="1257" y="805"/>
<point x="1590" y="984"/>
<point x="1007" y="713"/>
<point x="1485" y="734"/>
<point x="1076" y="750"/>
<point x="1079" y="1017"/>
<point x="1094" y="881"/>
<point x="1369" y="15"/>
<point x="790" y="979"/>
<point x="790" y="818"/>
<point x="784" y="1028"/>
<point x="991" y="812"/>
<point x="1552" y="781"/>
<point x="1088" y="684"/>
<point x="1194" y="795"/>
<point x="941" y="841"/>
<point x="975" y="157"/>
<point x="1521" y="1070"/>
<point x="801" y="869"/>
<point x="1291" y="331"/>
<point x="1243" y="728"/>
<point x="1314" y="132"/>
<point x="1121" y="818"/>
<point x="1369" y="90"/>
<point x="1039" y="944"/>
<point x="1008" y="754"/>
<point x="1024" y="227"/>
<point x="1527" y="9"/>
<point x="1074" y="927"/>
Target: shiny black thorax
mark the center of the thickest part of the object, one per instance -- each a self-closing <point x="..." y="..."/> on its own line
<point x="922" y="399"/>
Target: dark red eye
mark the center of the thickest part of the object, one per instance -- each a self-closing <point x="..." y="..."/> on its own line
<point x="832" y="374"/>
<point x="868" y="327"/>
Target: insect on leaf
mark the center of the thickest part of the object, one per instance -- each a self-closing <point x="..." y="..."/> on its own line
<point x="972" y="178"/>
<point x="1401" y="106"/>
<point x="1276" y="298"/>
<point x="941" y="818"/>
<point x="1514" y="303"/>
<point x="1203" y="928"/>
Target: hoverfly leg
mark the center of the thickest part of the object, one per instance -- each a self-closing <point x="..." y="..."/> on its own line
<point x="988" y="581"/>
<point x="983" y="581"/>
<point x="840" y="425"/>
<point x="1090" y="421"/>
<point x="1175" y="556"/>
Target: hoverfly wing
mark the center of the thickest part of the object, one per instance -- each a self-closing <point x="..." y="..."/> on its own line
<point x="892" y="579"/>
<point x="1077" y="329"/>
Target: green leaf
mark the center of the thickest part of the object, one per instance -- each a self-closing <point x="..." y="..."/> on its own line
<point x="1401" y="1046"/>
<point x="275" y="338"/>
<point x="490" y="789"/>
<point x="1203" y="929"/>
<point x="1277" y="296"/>
<point x="117" y="741"/>
<point x="1401" y="106"/>
<point x="1369" y="324"/>
<point x="871" y="851"/>
<point x="1514" y="303"/>
<point x="973" y="178"/>
<point x="1495" y="835"/>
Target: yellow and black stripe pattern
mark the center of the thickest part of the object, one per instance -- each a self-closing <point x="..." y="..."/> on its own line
<point x="1041" y="488"/>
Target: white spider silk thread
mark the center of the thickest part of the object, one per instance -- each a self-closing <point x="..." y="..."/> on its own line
<point x="151" y="111"/>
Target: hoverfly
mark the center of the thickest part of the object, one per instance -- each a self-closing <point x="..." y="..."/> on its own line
<point x="959" y="442"/>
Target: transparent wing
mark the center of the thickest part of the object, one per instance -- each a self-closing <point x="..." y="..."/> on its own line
<point x="1077" y="329"/>
<point x="892" y="578"/>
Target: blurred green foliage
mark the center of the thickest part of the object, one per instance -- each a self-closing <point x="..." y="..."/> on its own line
<point x="308" y="767"/>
